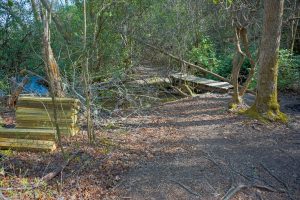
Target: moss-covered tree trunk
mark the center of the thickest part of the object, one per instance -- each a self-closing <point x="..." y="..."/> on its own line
<point x="266" y="105"/>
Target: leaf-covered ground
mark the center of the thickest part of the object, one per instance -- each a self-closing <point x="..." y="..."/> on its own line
<point x="192" y="148"/>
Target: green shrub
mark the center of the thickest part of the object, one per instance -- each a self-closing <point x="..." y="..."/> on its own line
<point x="289" y="70"/>
<point x="205" y="54"/>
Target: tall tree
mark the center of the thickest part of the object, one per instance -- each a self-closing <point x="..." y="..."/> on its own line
<point x="266" y="104"/>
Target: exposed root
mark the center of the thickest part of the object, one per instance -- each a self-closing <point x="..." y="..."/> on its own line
<point x="234" y="190"/>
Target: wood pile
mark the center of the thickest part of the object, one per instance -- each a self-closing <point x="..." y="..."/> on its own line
<point x="27" y="139"/>
<point x="37" y="113"/>
<point x="35" y="127"/>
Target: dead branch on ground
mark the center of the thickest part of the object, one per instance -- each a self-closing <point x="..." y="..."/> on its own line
<point x="48" y="177"/>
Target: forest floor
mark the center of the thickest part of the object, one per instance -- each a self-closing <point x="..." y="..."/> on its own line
<point x="191" y="148"/>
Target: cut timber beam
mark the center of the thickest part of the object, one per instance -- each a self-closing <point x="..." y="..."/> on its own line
<point x="25" y="144"/>
<point x="32" y="134"/>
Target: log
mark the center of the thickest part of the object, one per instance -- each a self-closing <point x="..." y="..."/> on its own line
<point x="200" y="68"/>
<point x="25" y="144"/>
<point x="33" y="134"/>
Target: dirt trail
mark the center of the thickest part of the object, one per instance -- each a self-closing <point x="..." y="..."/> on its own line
<point x="195" y="149"/>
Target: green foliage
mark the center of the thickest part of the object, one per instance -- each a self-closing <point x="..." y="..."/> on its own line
<point x="205" y="54"/>
<point x="289" y="70"/>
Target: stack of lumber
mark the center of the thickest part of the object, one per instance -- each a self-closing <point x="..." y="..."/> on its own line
<point x="27" y="139"/>
<point x="38" y="113"/>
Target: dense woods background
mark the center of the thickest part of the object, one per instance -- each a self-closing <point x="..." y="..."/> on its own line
<point x="198" y="31"/>
<point x="119" y="60"/>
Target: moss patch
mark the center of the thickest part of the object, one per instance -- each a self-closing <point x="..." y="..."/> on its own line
<point x="270" y="116"/>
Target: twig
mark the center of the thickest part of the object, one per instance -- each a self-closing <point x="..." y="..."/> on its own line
<point x="186" y="188"/>
<point x="280" y="181"/>
<point x="234" y="190"/>
<point x="45" y="178"/>
<point x="2" y="197"/>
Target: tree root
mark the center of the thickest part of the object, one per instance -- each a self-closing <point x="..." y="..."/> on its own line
<point x="234" y="190"/>
<point x="186" y="188"/>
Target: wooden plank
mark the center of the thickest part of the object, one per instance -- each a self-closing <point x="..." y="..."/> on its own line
<point x="47" y="106"/>
<point x="21" y="110"/>
<point x="48" y="99"/>
<point x="47" y="118"/>
<point x="27" y="145"/>
<point x="203" y="83"/>
<point x="65" y="130"/>
<point x="33" y="134"/>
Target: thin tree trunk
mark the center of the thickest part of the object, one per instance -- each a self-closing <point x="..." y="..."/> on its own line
<point x="237" y="63"/>
<point x="245" y="42"/>
<point x="294" y="33"/>
<point x="35" y="11"/>
<point x="266" y="104"/>
<point x="86" y="77"/>
<point x="49" y="59"/>
<point x="56" y="20"/>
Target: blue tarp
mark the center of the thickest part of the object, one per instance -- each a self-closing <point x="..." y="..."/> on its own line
<point x="35" y="86"/>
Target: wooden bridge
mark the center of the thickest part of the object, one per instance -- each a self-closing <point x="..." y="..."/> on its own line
<point x="201" y="83"/>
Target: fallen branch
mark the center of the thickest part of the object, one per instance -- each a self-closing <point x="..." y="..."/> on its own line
<point x="276" y="178"/>
<point x="200" y="68"/>
<point x="48" y="177"/>
<point x="180" y="91"/>
<point x="186" y="188"/>
<point x="234" y="190"/>
<point x="14" y="97"/>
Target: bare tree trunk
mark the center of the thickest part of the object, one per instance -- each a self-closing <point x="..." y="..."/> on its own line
<point x="52" y="70"/>
<point x="245" y="42"/>
<point x="237" y="63"/>
<point x="86" y="77"/>
<point x="59" y="26"/>
<point x="266" y="104"/>
<point x="294" y="33"/>
<point x="35" y="11"/>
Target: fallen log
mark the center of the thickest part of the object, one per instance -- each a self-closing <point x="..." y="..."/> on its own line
<point x="200" y="68"/>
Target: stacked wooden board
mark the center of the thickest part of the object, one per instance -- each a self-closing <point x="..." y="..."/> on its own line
<point x="38" y="113"/>
<point x="35" y="127"/>
<point x="27" y="139"/>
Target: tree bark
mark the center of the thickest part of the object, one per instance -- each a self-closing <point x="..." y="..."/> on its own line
<point x="237" y="63"/>
<point x="52" y="69"/>
<point x="36" y="15"/>
<point x="86" y="76"/>
<point x="266" y="104"/>
<point x="59" y="26"/>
